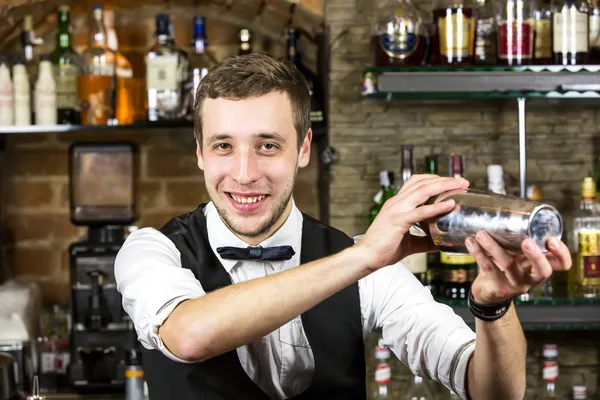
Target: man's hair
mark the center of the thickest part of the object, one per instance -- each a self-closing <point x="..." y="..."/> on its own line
<point x="253" y="75"/>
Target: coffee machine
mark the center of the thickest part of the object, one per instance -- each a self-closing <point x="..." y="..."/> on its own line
<point x="102" y="198"/>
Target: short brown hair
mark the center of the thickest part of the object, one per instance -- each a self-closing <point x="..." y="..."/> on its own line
<point x="256" y="74"/>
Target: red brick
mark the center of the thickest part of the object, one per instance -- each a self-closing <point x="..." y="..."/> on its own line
<point x="31" y="194"/>
<point x="63" y="198"/>
<point x="40" y="162"/>
<point x="186" y="194"/>
<point x="40" y="226"/>
<point x="169" y="163"/>
<point x="32" y="261"/>
<point x="149" y="195"/>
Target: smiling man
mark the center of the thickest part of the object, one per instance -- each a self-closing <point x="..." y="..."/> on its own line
<point x="246" y="297"/>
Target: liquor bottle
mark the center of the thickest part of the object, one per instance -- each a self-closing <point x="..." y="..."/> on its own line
<point x="454" y="40"/>
<point x="293" y="55"/>
<point x="570" y="32"/>
<point x="550" y="372"/>
<point x="542" y="16"/>
<point x="124" y="73"/>
<point x="584" y="276"/>
<point x="67" y="64"/>
<point x="434" y="275"/>
<point x="580" y="390"/>
<point x="515" y="32"/>
<point x="165" y="66"/>
<point x="95" y="84"/>
<point x="399" y="35"/>
<point x="28" y="41"/>
<point x="45" y="94"/>
<point x="495" y="175"/>
<point x="201" y="61"/>
<point x="486" y="36"/>
<point x="594" y="18"/>
<point x="416" y="263"/>
<point x="383" y="379"/>
<point x="382" y="354"/>
<point x="245" y="42"/>
<point x="21" y="93"/>
<point x="418" y="390"/>
<point x="6" y="93"/>
<point x="386" y="192"/>
<point x="459" y="271"/>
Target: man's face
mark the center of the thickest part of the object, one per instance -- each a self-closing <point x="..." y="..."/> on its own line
<point x="250" y="157"/>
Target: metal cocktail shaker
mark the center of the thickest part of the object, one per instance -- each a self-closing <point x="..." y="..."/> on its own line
<point x="507" y="219"/>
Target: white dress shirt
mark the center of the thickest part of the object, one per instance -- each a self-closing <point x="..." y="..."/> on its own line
<point x="425" y="335"/>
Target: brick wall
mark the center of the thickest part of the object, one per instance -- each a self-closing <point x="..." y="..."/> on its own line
<point x="367" y="136"/>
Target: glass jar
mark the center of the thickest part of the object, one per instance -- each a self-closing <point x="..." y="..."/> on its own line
<point x="454" y="40"/>
<point x="515" y="32"/>
<point x="399" y="35"/>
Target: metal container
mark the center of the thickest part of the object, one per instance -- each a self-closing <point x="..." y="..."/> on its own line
<point x="507" y="219"/>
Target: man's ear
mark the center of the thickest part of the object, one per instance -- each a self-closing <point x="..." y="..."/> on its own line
<point x="199" y="155"/>
<point x="304" y="154"/>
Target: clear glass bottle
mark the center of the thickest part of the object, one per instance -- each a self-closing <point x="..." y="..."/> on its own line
<point x="570" y="32"/>
<point x="67" y="64"/>
<point x="44" y="99"/>
<point x="6" y="93"/>
<point x="594" y="18"/>
<point x="542" y="16"/>
<point x="124" y="73"/>
<point x="201" y="61"/>
<point x="28" y="42"/>
<point x="486" y="35"/>
<point x="245" y="42"/>
<point x="165" y="70"/>
<point x="399" y="35"/>
<point x="21" y="93"/>
<point x="454" y="40"/>
<point x="515" y="32"/>
<point x="418" y="390"/>
<point x="95" y="84"/>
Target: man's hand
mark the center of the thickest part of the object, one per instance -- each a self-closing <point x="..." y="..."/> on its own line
<point x="504" y="276"/>
<point x="386" y="241"/>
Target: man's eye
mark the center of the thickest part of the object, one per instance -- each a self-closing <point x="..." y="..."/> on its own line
<point x="269" y="146"/>
<point x="223" y="146"/>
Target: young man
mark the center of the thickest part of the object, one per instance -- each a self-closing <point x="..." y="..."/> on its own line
<point x="248" y="298"/>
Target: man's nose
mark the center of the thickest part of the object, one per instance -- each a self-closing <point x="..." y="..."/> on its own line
<point x="246" y="167"/>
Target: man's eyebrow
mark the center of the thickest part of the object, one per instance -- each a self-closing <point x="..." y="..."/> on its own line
<point x="271" y="135"/>
<point x="217" y="137"/>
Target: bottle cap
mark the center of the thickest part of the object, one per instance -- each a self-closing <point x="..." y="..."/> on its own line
<point x="383" y="374"/>
<point x="418" y="380"/>
<point x="44" y="57"/>
<point x="133" y="357"/>
<point x="550" y="351"/>
<point x="97" y="7"/>
<point x="162" y="24"/>
<point x="384" y="178"/>
<point x="382" y="353"/>
<point x="588" y="189"/>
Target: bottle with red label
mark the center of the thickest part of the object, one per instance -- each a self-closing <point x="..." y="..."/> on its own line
<point x="383" y="379"/>
<point x="550" y="372"/>
<point x="515" y="32"/>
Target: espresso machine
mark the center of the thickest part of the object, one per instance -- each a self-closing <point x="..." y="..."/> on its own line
<point x="102" y="198"/>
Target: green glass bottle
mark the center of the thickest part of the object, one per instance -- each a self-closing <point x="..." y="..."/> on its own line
<point x="387" y="191"/>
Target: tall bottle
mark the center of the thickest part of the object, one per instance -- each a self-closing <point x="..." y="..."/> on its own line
<point x="486" y="33"/>
<point x="67" y="64"/>
<point x="95" y="84"/>
<point x="21" y="93"/>
<point x="45" y="94"/>
<point x="516" y="32"/>
<point x="459" y="270"/>
<point x="434" y="273"/>
<point x="165" y="65"/>
<point x="594" y="18"/>
<point x="386" y="192"/>
<point x="454" y="39"/>
<point x="124" y="73"/>
<point x="383" y="379"/>
<point x="570" y="32"/>
<point x="550" y="372"/>
<point x="29" y="41"/>
<point x="245" y="42"/>
<point x="542" y="16"/>
<point x="416" y="263"/>
<point x="399" y="35"/>
<point x="293" y="55"/>
<point x="6" y="93"/>
<point x="201" y="61"/>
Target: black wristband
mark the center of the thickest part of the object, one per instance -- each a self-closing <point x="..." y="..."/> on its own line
<point x="488" y="312"/>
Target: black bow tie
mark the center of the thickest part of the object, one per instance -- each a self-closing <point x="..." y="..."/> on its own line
<point x="277" y="253"/>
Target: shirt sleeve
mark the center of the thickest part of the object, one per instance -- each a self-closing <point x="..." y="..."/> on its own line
<point x="425" y="335"/>
<point x="152" y="283"/>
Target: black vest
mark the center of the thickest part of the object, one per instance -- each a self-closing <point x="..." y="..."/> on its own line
<point x="333" y="327"/>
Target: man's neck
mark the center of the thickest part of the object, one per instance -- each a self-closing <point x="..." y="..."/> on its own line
<point x="255" y="240"/>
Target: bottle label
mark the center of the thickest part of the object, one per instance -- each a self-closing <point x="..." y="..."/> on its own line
<point x="550" y="372"/>
<point x="416" y="263"/>
<point x="6" y="104"/>
<point x="543" y="44"/>
<point x="456" y="35"/>
<point x="595" y="31"/>
<point x="134" y="373"/>
<point x="485" y="44"/>
<point x="96" y="98"/>
<point x="399" y="44"/>
<point x="162" y="72"/>
<point x="456" y="259"/>
<point x="515" y="40"/>
<point x="45" y="104"/>
<point x="48" y="362"/>
<point x="383" y="373"/>
<point x="571" y="33"/>
<point x="591" y="266"/>
<point x="460" y="275"/>
<point x="66" y="86"/>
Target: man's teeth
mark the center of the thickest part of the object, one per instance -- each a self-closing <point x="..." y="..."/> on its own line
<point x="247" y="200"/>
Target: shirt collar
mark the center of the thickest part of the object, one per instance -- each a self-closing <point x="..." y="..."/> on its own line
<point x="219" y="235"/>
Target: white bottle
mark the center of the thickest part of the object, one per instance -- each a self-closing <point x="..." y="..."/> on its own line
<point x="21" y="94"/>
<point x="6" y="93"/>
<point x="45" y="95"/>
<point x="495" y="174"/>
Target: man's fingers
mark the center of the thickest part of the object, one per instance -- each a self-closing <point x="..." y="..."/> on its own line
<point x="415" y="179"/>
<point x="484" y="261"/>
<point x="502" y="259"/>
<point x="560" y="260"/>
<point x="423" y="191"/>
<point x="540" y="266"/>
<point x="425" y="212"/>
